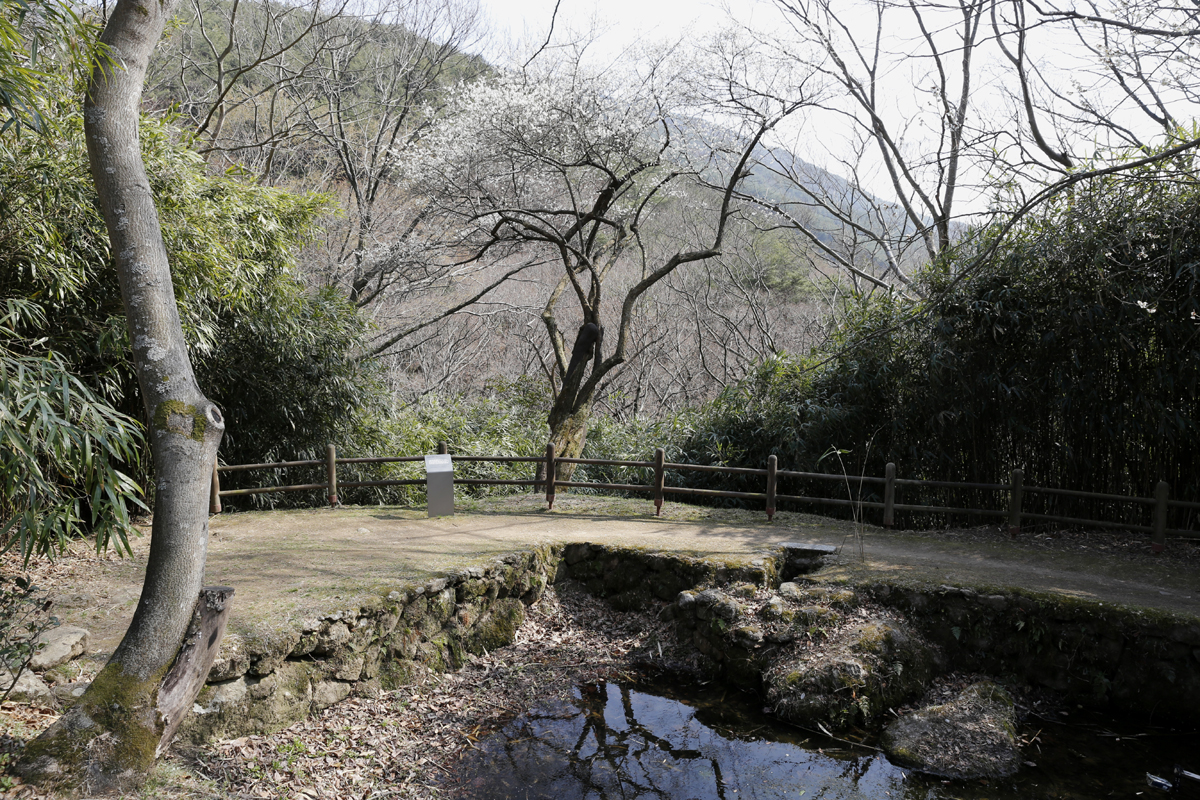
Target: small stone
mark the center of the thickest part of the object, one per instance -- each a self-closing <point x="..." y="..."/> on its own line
<point x="363" y="531"/>
<point x="58" y="646"/>
<point x="67" y="693"/>
<point x="792" y="591"/>
<point x="332" y="639"/>
<point x="350" y="667"/>
<point x="226" y="666"/>
<point x="29" y="688"/>
<point x="715" y="603"/>
<point x="226" y="693"/>
<point x="749" y="634"/>
<point x="996" y="602"/>
<point x="772" y="609"/>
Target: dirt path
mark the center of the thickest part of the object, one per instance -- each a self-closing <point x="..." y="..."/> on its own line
<point x="289" y="565"/>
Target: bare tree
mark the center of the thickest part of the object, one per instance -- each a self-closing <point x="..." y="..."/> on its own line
<point x="321" y="92"/>
<point x="568" y="165"/>
<point x="242" y="73"/>
<point x="111" y="737"/>
<point x="902" y="165"/>
<point x="1140" y="63"/>
<point x="963" y="110"/>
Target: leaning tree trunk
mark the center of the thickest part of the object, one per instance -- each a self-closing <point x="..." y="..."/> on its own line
<point x="110" y="739"/>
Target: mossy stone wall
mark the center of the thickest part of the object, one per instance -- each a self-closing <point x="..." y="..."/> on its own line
<point x="1100" y="655"/>
<point x="265" y="685"/>
<point x="1103" y="656"/>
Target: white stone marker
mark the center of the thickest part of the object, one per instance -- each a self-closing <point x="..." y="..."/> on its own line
<point x="439" y="476"/>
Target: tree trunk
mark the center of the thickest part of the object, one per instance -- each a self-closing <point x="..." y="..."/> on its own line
<point x="110" y="739"/>
<point x="569" y="426"/>
<point x="570" y="416"/>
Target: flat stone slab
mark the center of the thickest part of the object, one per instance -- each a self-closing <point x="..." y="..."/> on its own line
<point x="59" y="645"/>
<point x="806" y="549"/>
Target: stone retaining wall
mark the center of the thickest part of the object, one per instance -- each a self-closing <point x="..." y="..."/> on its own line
<point x="265" y="686"/>
<point x="1099" y="655"/>
<point x="1102" y="656"/>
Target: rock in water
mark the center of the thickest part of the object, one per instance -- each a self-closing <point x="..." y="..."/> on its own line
<point x="972" y="736"/>
<point x="851" y="678"/>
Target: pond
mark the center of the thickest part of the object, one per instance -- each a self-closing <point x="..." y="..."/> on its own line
<point x="683" y="741"/>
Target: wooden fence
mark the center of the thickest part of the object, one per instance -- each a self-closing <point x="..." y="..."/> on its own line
<point x="1161" y="504"/>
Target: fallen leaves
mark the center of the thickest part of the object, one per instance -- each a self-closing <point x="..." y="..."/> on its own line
<point x="407" y="743"/>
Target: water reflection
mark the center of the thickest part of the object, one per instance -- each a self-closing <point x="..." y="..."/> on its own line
<point x="618" y="741"/>
<point x="627" y="741"/>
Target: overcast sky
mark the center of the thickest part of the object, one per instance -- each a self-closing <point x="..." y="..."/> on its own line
<point x="820" y="138"/>
<point x="622" y="21"/>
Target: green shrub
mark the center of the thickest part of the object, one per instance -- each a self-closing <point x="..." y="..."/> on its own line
<point x="1073" y="352"/>
<point x="64" y="453"/>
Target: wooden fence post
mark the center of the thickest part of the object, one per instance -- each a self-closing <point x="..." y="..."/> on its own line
<point x="549" y="476"/>
<point x="214" y="491"/>
<point x="1016" y="489"/>
<point x="660" y="477"/>
<point x="331" y="474"/>
<point x="772" y="467"/>
<point x="1159" y="539"/>
<point x="442" y="448"/>
<point x="889" y="495"/>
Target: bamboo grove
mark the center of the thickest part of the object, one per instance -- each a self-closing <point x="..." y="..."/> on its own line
<point x="1069" y="348"/>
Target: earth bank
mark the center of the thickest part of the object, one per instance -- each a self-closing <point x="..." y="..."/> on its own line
<point x="1099" y="653"/>
<point x="823" y="649"/>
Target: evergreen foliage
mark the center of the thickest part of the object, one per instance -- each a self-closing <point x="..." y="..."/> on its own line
<point x="1072" y="352"/>
<point x="288" y="380"/>
<point x="61" y="451"/>
<point x="279" y="359"/>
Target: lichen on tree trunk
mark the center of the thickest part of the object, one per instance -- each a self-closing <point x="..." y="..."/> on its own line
<point x="108" y="741"/>
<point x="568" y="434"/>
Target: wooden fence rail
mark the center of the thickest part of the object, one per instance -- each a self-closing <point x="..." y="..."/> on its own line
<point x="1015" y="489"/>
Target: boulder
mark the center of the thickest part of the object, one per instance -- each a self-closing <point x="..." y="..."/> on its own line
<point x="972" y="736"/>
<point x="853" y="677"/>
<point x="29" y="688"/>
<point x="58" y="646"/>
